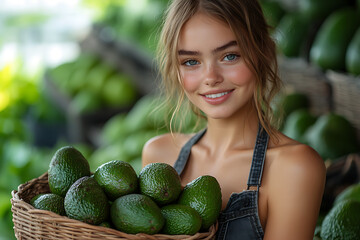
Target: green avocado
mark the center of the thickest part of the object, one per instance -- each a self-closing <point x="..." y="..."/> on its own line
<point x="342" y="222"/>
<point x="352" y="192"/>
<point x="285" y="104"/>
<point x="117" y="178"/>
<point x="136" y="213"/>
<point x="291" y="34"/>
<point x="161" y="182"/>
<point x="87" y="202"/>
<point x="273" y="12"/>
<point x="180" y="220"/>
<point x="204" y="195"/>
<point x="352" y="60"/>
<point x="332" y="136"/>
<point x="49" y="202"/>
<point x="329" y="48"/>
<point x="320" y="9"/>
<point x="66" y="166"/>
<point x="297" y="123"/>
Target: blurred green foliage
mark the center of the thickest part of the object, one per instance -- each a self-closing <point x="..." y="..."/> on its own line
<point x="17" y="91"/>
<point x="17" y="88"/>
<point x="24" y="101"/>
<point x="91" y="84"/>
<point x="22" y="96"/>
<point x="136" y="21"/>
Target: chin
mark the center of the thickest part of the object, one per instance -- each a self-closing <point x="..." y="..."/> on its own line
<point x="219" y="115"/>
<point x="226" y="113"/>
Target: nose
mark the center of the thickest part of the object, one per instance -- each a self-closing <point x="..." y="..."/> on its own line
<point x="212" y="76"/>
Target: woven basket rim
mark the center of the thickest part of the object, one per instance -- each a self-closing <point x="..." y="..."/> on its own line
<point x="341" y="76"/>
<point x="18" y="204"/>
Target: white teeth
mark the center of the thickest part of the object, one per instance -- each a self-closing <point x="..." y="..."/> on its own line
<point x="216" y="95"/>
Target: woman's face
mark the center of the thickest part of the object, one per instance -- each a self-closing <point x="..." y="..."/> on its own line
<point x="214" y="76"/>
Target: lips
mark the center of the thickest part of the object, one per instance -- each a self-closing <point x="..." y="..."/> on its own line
<point x="217" y="97"/>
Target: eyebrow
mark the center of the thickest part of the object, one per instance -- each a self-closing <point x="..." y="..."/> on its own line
<point x="218" y="49"/>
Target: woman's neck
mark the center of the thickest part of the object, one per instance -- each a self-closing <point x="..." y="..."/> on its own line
<point x="237" y="132"/>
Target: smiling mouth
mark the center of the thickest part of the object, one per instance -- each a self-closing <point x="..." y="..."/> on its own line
<point x="217" y="95"/>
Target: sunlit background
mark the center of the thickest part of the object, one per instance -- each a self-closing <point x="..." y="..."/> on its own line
<point x="81" y="73"/>
<point x="36" y="38"/>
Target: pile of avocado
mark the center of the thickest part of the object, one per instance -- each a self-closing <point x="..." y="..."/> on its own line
<point x="324" y="32"/>
<point x="343" y="219"/>
<point x="115" y="196"/>
<point x="91" y="84"/>
<point x="330" y="134"/>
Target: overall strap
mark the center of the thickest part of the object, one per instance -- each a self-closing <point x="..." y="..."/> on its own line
<point x="258" y="160"/>
<point x="185" y="152"/>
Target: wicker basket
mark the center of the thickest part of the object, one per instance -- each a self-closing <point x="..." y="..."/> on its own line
<point x="300" y="76"/>
<point x="31" y="223"/>
<point x="346" y="92"/>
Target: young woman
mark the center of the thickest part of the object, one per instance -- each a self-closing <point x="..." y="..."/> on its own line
<point x="218" y="55"/>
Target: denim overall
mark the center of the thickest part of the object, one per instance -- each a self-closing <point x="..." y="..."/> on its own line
<point x="240" y="219"/>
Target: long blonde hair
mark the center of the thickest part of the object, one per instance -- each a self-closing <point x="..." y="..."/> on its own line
<point x="246" y="20"/>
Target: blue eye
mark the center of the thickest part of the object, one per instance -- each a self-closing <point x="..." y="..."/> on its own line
<point x="230" y="57"/>
<point x="191" y="62"/>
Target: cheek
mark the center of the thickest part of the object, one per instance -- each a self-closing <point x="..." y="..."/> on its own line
<point x="241" y="75"/>
<point x="190" y="81"/>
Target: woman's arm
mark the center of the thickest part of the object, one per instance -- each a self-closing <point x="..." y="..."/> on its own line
<point x="295" y="191"/>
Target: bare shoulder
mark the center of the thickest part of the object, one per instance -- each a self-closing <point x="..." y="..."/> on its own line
<point x="296" y="166"/>
<point x="294" y="156"/>
<point x="302" y="159"/>
<point x="296" y="180"/>
<point x="163" y="148"/>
